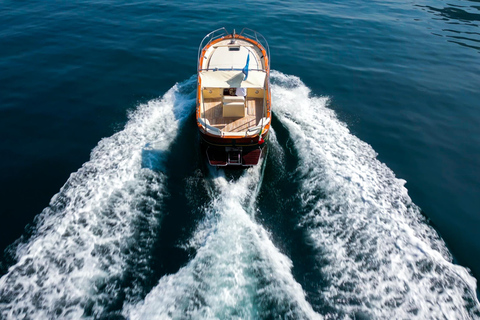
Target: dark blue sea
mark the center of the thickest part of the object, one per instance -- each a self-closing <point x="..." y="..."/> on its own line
<point x="367" y="205"/>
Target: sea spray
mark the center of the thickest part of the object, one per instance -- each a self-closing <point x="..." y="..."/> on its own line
<point x="237" y="271"/>
<point x="379" y="257"/>
<point x="87" y="239"/>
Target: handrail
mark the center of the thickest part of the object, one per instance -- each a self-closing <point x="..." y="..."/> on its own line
<point x="256" y="35"/>
<point x="208" y="127"/>
<point x="212" y="36"/>
<point x="257" y="128"/>
<point x="222" y="32"/>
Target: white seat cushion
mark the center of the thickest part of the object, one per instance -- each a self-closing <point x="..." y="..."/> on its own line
<point x="234" y="110"/>
<point x="233" y="98"/>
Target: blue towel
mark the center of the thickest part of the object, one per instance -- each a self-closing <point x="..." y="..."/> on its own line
<point x="245" y="70"/>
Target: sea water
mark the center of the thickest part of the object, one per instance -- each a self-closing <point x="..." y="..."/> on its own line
<point x="365" y="206"/>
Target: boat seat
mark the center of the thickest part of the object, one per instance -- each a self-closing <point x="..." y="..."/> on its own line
<point x="233" y="107"/>
<point x="234" y="110"/>
<point x="233" y="98"/>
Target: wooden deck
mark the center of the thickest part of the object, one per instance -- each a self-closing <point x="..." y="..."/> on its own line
<point x="214" y="115"/>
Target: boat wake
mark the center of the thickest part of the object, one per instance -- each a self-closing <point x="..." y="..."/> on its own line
<point x="237" y="271"/>
<point x="375" y="255"/>
<point x="378" y="256"/>
<point x="100" y="225"/>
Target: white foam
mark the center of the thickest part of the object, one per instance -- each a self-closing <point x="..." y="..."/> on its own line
<point x="75" y="261"/>
<point x="379" y="258"/>
<point x="237" y="272"/>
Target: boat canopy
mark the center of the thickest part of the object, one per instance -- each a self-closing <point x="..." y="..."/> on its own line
<point x="225" y="57"/>
<point x="232" y="79"/>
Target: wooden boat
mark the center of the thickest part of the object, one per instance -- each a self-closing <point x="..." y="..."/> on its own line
<point x="233" y="97"/>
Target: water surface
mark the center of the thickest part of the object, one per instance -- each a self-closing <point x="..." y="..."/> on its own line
<point x="367" y="97"/>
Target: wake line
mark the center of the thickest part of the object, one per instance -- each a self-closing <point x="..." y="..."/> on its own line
<point x="237" y="271"/>
<point x="74" y="265"/>
<point x="379" y="257"/>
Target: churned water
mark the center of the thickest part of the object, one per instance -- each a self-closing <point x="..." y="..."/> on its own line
<point x="366" y="206"/>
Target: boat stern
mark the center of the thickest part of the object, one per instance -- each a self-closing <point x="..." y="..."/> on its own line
<point x="234" y="156"/>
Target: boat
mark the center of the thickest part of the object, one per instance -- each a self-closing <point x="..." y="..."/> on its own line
<point x="233" y="111"/>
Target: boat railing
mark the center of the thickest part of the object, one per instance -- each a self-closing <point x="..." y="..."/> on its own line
<point x="222" y="32"/>
<point x="252" y="34"/>
<point x="219" y="33"/>
<point x="250" y="132"/>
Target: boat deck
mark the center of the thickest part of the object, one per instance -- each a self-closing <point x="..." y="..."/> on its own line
<point x="213" y="113"/>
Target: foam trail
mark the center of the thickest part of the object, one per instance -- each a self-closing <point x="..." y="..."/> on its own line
<point x="237" y="272"/>
<point x="379" y="257"/>
<point x="100" y="224"/>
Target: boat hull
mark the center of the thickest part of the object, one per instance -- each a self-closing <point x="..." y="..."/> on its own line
<point x="234" y="152"/>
